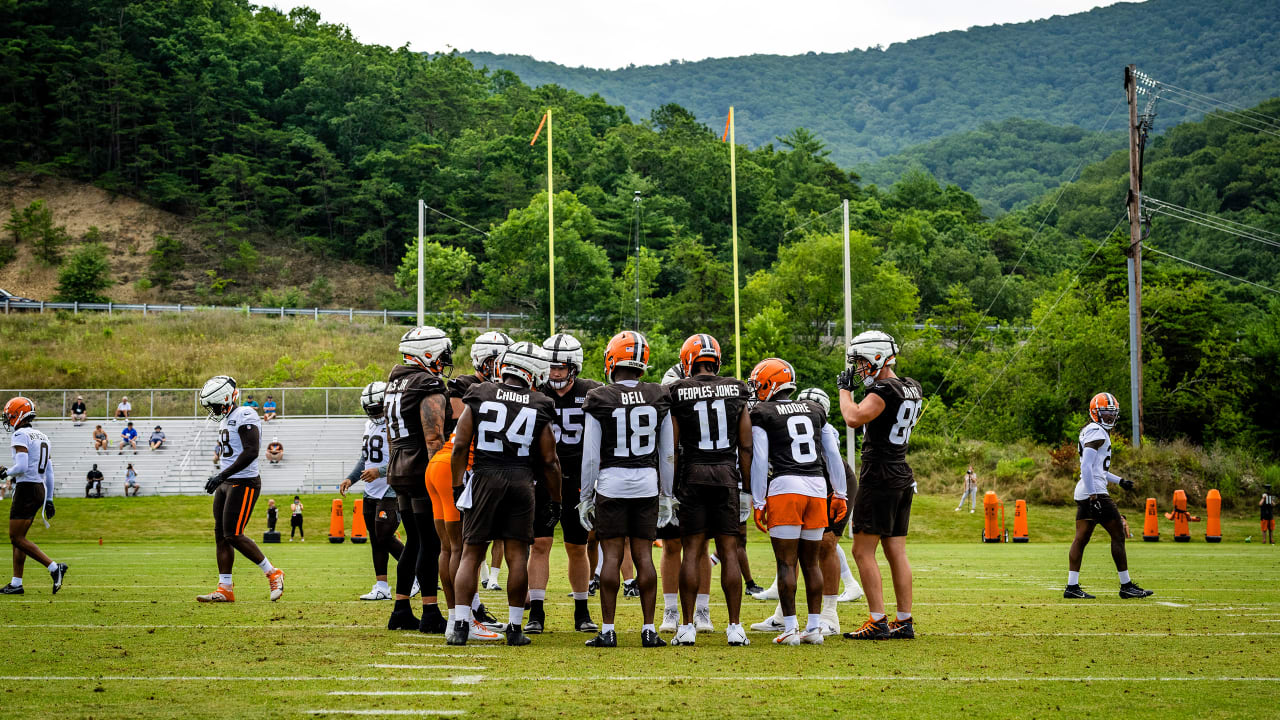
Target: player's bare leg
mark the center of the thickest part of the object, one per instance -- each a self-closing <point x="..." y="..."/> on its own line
<point x="612" y="551"/>
<point x="22" y="547"/>
<point x="539" y="572"/>
<point x="495" y="565"/>
<point x="673" y="588"/>
<point x="446" y="559"/>
<point x="895" y="552"/>
<point x="727" y="549"/>
<point x="786" y="552"/>
<point x="517" y="556"/>
<point x="646" y="576"/>
<point x="864" y="556"/>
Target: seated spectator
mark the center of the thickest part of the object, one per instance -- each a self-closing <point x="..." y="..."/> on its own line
<point x="275" y="451"/>
<point x="269" y="409"/>
<point x="131" y="481"/>
<point x="100" y="441"/>
<point x="78" y="411"/>
<point x="157" y="438"/>
<point x="124" y="408"/>
<point x="93" y="482"/>
<point x="128" y="439"/>
<point x="250" y="402"/>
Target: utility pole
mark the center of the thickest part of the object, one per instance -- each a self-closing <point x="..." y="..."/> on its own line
<point x="637" y="206"/>
<point x="1137" y="136"/>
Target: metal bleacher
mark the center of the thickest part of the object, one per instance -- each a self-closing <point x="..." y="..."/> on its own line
<point x="318" y="453"/>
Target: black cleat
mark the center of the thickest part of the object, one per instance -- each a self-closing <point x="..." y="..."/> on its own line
<point x="649" y="638"/>
<point x="585" y="625"/>
<point x="515" y="636"/>
<point x="461" y="629"/>
<point x="12" y="589"/>
<point x="593" y="586"/>
<point x="1130" y="590"/>
<point x="604" y="639"/>
<point x="60" y="573"/>
<point x="487" y="619"/>
<point x="1073" y="592"/>
<point x="752" y="588"/>
<point x="403" y="620"/>
<point x="870" y="630"/>
<point x="433" y="623"/>
<point x="902" y="630"/>
<point x="630" y="589"/>
<point x="534" y="627"/>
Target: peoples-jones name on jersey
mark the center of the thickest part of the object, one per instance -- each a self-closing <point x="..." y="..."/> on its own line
<point x="699" y="392"/>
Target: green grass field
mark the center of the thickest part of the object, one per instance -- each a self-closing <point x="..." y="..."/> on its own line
<point x="125" y="639"/>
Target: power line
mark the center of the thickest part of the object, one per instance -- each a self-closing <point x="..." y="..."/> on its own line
<point x="1212" y="222"/>
<point x="1209" y="269"/>
<point x="460" y="222"/>
<point x="1158" y="89"/>
<point x="1228" y="115"/>
<point x="811" y="221"/>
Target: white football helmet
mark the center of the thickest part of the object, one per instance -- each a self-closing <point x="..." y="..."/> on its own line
<point x="371" y="398"/>
<point x="870" y="352"/>
<point x="673" y="373"/>
<point x="485" y="352"/>
<point x="817" y="395"/>
<point x="564" y="349"/>
<point x="220" y="396"/>
<point x="429" y="348"/>
<point x="526" y="361"/>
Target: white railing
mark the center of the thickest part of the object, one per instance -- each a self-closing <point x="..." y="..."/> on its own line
<point x="185" y="402"/>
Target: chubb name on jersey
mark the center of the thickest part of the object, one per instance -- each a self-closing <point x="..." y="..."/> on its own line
<point x="522" y="398"/>
<point x="699" y="392"/>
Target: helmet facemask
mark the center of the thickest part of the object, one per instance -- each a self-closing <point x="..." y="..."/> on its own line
<point x="570" y="372"/>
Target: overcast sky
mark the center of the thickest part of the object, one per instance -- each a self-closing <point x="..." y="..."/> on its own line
<point x="610" y="34"/>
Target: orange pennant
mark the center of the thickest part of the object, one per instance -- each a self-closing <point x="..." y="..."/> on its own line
<point x="539" y="130"/>
<point x="728" y="119"/>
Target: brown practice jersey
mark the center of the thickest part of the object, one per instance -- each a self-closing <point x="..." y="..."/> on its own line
<point x="707" y="407"/>
<point x="794" y="429"/>
<point x="458" y="388"/>
<point x="407" y="388"/>
<point x="885" y="438"/>
<point x="630" y="422"/>
<point x="569" y="422"/>
<point x="506" y="423"/>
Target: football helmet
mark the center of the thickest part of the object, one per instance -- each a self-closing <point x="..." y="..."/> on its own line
<point x="429" y="348"/>
<point x="564" y="349"/>
<point x="870" y="352"/>
<point x="673" y="373"/>
<point x="220" y="396"/>
<point x="627" y="349"/>
<point x="1104" y="410"/>
<point x="18" y="411"/>
<point x="699" y="348"/>
<point x="371" y="398"/>
<point x="817" y="395"/>
<point x="770" y="377"/>
<point x="526" y="361"/>
<point x="485" y="351"/>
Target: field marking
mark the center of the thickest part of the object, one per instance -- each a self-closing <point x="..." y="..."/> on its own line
<point x="381" y="693"/>
<point x="475" y="679"/>
<point x="1166" y="603"/>
<point x="421" y="713"/>
<point x="390" y="666"/>
<point x="466" y="679"/>
<point x="448" y="655"/>
<point x="460" y="649"/>
<point x="217" y="678"/>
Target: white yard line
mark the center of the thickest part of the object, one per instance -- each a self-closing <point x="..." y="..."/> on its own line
<point x="390" y="666"/>
<point x="452" y="655"/>
<point x="384" y="693"/>
<point x="213" y="678"/>
<point x="474" y="679"/>
<point x="419" y="713"/>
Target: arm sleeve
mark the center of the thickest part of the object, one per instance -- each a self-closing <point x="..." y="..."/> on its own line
<point x="19" y="469"/>
<point x="759" y="466"/>
<point x="835" y="463"/>
<point x="1111" y="478"/>
<point x="354" y="475"/>
<point x="666" y="458"/>
<point x="1089" y="471"/>
<point x="590" y="457"/>
<point x="48" y="481"/>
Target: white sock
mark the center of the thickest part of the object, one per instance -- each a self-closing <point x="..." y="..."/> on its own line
<point x="904" y="616"/>
<point x="515" y="615"/>
<point x="670" y="601"/>
<point x="538" y="594"/>
<point x="493" y="575"/>
<point x="813" y="621"/>
<point x="777" y="611"/>
<point x="475" y="603"/>
<point x="53" y="566"/>
<point x="606" y="627"/>
<point x="225" y="579"/>
<point x="649" y="627"/>
<point x="1124" y="577"/>
<point x="267" y="567"/>
<point x="16" y="582"/>
<point x="877" y="616"/>
<point x="451" y="615"/>
<point x="829" y="603"/>
<point x="714" y="560"/>
<point x="484" y="568"/>
<point x="579" y="596"/>
<point x="790" y="623"/>
<point x="599" y="563"/>
<point x="846" y="574"/>
<point x="773" y="585"/>
<point x="1073" y="577"/>
<point x="703" y="602"/>
<point x="383" y="586"/>
<point x="463" y="613"/>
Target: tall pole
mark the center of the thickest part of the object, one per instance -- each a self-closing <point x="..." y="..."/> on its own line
<point x="637" y="204"/>
<point x="551" y="230"/>
<point x="421" y="279"/>
<point x="733" y="197"/>
<point x="1134" y="261"/>
<point x="850" y="443"/>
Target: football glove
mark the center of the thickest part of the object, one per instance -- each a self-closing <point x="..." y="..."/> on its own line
<point x="48" y="509"/>
<point x="839" y="508"/>
<point x="744" y="506"/>
<point x="666" y="510"/>
<point x="1125" y="483"/>
<point x="587" y="514"/>
<point x="212" y="484"/>
<point x="848" y="379"/>
<point x="553" y="515"/>
<point x="762" y="520"/>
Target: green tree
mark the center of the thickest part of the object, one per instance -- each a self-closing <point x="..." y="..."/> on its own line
<point x="85" y="275"/>
<point x="446" y="269"/>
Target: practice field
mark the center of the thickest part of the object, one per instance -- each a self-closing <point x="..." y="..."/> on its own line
<point x="125" y="638"/>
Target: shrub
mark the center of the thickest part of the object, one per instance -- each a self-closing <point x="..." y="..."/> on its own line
<point x="85" y="275"/>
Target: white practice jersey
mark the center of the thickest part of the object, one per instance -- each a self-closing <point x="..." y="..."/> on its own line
<point x="39" y="458"/>
<point x="375" y="450"/>
<point x="229" y="445"/>
<point x="1094" y="475"/>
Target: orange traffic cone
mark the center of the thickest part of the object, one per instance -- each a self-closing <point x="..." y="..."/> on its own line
<point x="358" y="532"/>
<point x="1020" y="522"/>
<point x="337" y="525"/>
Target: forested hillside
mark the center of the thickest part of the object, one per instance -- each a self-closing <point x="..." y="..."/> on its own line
<point x="869" y="104"/>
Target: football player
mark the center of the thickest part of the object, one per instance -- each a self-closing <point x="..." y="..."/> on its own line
<point x="882" y="507"/>
<point x="568" y="392"/>
<point x="791" y="505"/>
<point x="236" y="487"/>
<point x="485" y="351"/>
<point x="628" y="463"/>
<point x="711" y="428"/>
<point x="508" y="426"/>
<point x="378" y="508"/>
<point x="418" y="414"/>
<point x="32" y="473"/>
<point x="1094" y="505"/>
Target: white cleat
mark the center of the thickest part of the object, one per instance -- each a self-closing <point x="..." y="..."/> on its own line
<point x="852" y="592"/>
<point x="478" y="631"/>
<point x="377" y="593"/>
<point x="686" y="635"/>
<point x="773" y="623"/>
<point x="416" y="589"/>
<point x="830" y="623"/>
<point x="737" y="636"/>
<point x="812" y="637"/>
<point x="702" y="619"/>
<point x="670" y="620"/>
<point x="769" y="593"/>
<point x="788" y="637"/>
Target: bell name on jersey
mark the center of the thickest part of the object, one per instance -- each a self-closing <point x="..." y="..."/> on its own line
<point x="229" y="445"/>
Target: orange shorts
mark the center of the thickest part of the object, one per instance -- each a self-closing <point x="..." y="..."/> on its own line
<point x="440" y="485"/>
<point x="810" y="513"/>
<point x="1268" y="524"/>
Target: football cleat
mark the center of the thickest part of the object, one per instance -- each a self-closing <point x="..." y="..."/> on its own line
<point x="483" y="615"/>
<point x="432" y="623"/>
<point x="403" y="620"/>
<point x="752" y="588"/>
<point x="773" y="623"/>
<point x="12" y="589"/>
<point x="219" y="595"/>
<point x="377" y="593"/>
<point x="586" y="625"/>
<point x="812" y="637"/>
<point x="870" y="630"/>
<point x="830" y="623"/>
<point x="1128" y="591"/>
<point x="685" y="635"/>
<point x="702" y="618"/>
<point x="459" y="633"/>
<point x="276" y="582"/>
<point x="736" y="635"/>
<point x="593" y="586"/>
<point x="479" y="631"/>
<point x="515" y="636"/>
<point x="60" y="573"/>
<point x="902" y="630"/>
<point x="650" y="639"/>
<point x="630" y="589"/>
<point x="534" y="627"/>
<point x="787" y="637"/>
<point x="416" y="588"/>
<point x="670" y="620"/>
<point x="770" y="593"/>
<point x="495" y="586"/>
<point x="1074" y="592"/>
<point x="604" y="639"/>
<point x="852" y="592"/>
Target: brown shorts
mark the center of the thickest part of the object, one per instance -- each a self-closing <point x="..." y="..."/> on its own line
<point x="407" y="471"/>
<point x="708" y="509"/>
<point x="233" y="503"/>
<point x="626" y="517"/>
<point x="502" y="505"/>
<point x="882" y="505"/>
<point x="28" y="498"/>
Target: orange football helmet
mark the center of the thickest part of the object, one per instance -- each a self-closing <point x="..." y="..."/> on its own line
<point x="627" y="349"/>
<point x="1104" y="410"/>
<point x="17" y="411"/>
<point x="699" y="348"/>
<point x="770" y="377"/>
